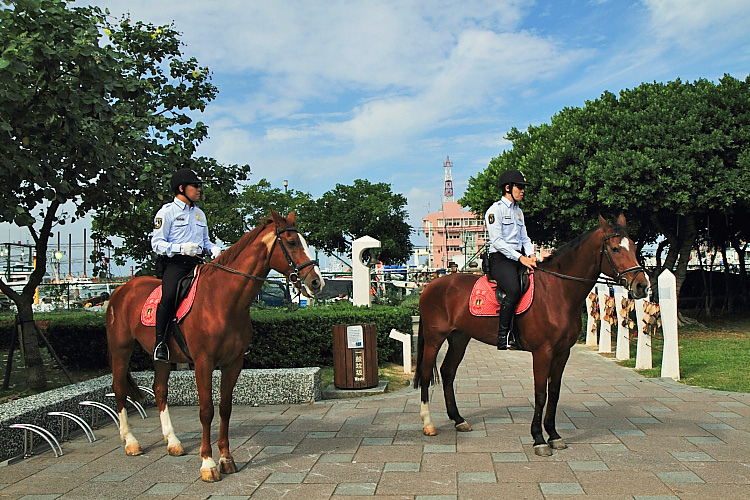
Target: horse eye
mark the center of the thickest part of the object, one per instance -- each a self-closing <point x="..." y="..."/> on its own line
<point x="292" y="243"/>
<point x="616" y="249"/>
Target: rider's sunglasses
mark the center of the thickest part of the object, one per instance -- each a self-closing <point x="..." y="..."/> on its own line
<point x="196" y="186"/>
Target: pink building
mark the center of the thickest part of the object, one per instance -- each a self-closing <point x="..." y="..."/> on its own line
<point x="453" y="235"/>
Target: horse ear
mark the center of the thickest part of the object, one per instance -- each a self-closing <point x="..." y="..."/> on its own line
<point x="603" y="222"/>
<point x="279" y="220"/>
<point x="621" y="220"/>
<point x="291" y="219"/>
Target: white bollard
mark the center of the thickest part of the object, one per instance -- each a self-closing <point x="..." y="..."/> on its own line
<point x="605" y="329"/>
<point x="670" y="362"/>
<point x="622" y="351"/>
<point x="643" y="359"/>
<point x="405" y="339"/>
<point x="591" y="339"/>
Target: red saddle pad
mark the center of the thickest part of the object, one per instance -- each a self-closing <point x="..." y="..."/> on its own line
<point x="148" y="312"/>
<point x="482" y="301"/>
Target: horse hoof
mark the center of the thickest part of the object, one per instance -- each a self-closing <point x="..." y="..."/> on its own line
<point x="176" y="450"/>
<point x="429" y="430"/>
<point x="227" y="466"/>
<point x="542" y="450"/>
<point x="463" y="427"/>
<point x="133" y="450"/>
<point x="557" y="444"/>
<point x="210" y="475"/>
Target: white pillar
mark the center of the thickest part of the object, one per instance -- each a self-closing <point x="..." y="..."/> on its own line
<point x="670" y="363"/>
<point x="643" y="359"/>
<point x="591" y="339"/>
<point x="361" y="272"/>
<point x="405" y="339"/>
<point x="605" y="329"/>
<point x="622" y="351"/>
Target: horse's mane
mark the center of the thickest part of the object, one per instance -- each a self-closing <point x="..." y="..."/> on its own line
<point x="231" y="253"/>
<point x="576" y="243"/>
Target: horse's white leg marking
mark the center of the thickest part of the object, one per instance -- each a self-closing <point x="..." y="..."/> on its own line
<point x="424" y="413"/>
<point x="208" y="464"/>
<point x="131" y="443"/>
<point x="167" y="430"/>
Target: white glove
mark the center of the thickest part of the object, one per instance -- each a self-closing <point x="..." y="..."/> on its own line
<point x="215" y="251"/>
<point x="190" y="249"/>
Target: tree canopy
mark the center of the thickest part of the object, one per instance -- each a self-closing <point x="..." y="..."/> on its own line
<point x="672" y="157"/>
<point x="349" y="212"/>
<point x="94" y="113"/>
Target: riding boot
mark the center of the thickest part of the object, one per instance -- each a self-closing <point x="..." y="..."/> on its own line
<point x="503" y="331"/>
<point x="161" y="351"/>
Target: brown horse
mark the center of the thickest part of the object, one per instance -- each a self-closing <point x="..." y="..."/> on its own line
<point x="548" y="329"/>
<point x="217" y="330"/>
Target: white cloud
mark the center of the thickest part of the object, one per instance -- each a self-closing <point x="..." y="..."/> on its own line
<point x="698" y="22"/>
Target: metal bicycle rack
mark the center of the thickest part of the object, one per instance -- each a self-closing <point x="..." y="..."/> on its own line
<point x="138" y="406"/>
<point x="95" y="415"/>
<point x="65" y="418"/>
<point x="28" y="439"/>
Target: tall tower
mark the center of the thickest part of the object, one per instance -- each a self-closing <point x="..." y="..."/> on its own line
<point x="448" y="190"/>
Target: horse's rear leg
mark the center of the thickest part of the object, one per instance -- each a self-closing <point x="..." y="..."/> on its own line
<point x="426" y="359"/>
<point x="203" y="372"/>
<point x="228" y="380"/>
<point x="457" y="343"/>
<point x="161" y="379"/>
<point x="553" y="396"/>
<point x="122" y="384"/>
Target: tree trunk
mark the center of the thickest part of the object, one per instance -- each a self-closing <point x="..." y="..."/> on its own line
<point x="32" y="355"/>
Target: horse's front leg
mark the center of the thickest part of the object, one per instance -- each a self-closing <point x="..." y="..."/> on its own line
<point x="161" y="379"/>
<point x="228" y="380"/>
<point x="203" y="371"/>
<point x="542" y="358"/>
<point x="555" y="379"/>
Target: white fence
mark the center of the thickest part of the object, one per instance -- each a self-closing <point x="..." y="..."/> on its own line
<point x="609" y="308"/>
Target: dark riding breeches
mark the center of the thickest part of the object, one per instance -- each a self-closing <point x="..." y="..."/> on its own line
<point x="505" y="272"/>
<point x="175" y="269"/>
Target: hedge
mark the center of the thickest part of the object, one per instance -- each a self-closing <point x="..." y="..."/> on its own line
<point x="282" y="338"/>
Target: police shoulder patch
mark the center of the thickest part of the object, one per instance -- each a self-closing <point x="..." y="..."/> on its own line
<point x="491" y="218"/>
<point x="157" y="223"/>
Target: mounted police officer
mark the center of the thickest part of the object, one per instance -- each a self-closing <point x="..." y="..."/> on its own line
<point x="180" y="237"/>
<point x="509" y="249"/>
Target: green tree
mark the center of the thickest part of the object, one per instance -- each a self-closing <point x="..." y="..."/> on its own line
<point x="666" y="154"/>
<point x="237" y="214"/>
<point x="92" y="113"/>
<point x="362" y="209"/>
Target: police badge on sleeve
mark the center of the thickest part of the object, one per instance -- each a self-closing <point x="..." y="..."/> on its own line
<point x="157" y="223"/>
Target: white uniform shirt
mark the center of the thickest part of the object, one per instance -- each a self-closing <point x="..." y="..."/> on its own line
<point x="507" y="230"/>
<point x="177" y="223"/>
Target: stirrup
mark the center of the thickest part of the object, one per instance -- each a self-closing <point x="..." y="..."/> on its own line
<point x="161" y="352"/>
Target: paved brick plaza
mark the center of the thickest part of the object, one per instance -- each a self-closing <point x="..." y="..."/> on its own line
<point x="628" y="437"/>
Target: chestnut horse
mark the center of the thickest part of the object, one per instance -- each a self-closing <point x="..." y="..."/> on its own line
<point x="548" y="329"/>
<point x="217" y="330"/>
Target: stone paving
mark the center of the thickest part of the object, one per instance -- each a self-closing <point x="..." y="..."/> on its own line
<point x="629" y="438"/>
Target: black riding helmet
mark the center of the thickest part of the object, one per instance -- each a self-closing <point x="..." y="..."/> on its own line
<point x="512" y="176"/>
<point x="184" y="176"/>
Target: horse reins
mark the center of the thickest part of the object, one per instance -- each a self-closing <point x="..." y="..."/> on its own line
<point x="618" y="278"/>
<point x="293" y="276"/>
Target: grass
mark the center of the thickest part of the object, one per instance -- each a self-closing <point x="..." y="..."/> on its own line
<point x="391" y="372"/>
<point x="713" y="355"/>
<point x="18" y="384"/>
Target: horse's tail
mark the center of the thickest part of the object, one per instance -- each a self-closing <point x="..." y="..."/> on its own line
<point x="420" y="355"/>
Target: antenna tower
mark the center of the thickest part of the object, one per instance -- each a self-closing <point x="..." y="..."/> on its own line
<point x="448" y="190"/>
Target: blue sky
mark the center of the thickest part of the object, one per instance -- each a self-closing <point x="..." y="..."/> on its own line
<point x="320" y="93"/>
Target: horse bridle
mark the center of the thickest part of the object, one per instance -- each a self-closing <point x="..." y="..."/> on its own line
<point x="293" y="276"/>
<point x="617" y="279"/>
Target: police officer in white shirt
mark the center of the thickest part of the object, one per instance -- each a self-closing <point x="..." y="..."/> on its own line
<point x="509" y="249"/>
<point x="180" y="236"/>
